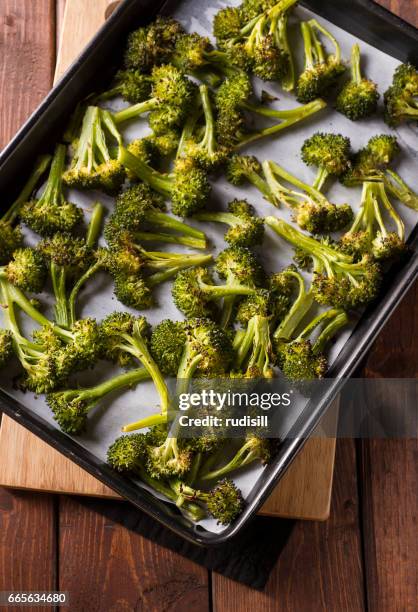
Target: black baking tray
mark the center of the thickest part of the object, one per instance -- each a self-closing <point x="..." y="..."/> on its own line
<point x="364" y="19"/>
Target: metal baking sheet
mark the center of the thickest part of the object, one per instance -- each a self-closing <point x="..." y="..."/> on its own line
<point x="98" y="299"/>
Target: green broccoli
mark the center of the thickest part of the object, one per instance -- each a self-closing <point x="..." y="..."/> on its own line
<point x="330" y="153"/>
<point x="312" y="210"/>
<point x="6" y="347"/>
<point x="245" y="228"/>
<point x="358" y="99"/>
<point x="321" y="71"/>
<point x="132" y="85"/>
<point x="338" y="280"/>
<point x="26" y="270"/>
<point x="152" y="45"/>
<point x="224" y="502"/>
<point x="401" y="99"/>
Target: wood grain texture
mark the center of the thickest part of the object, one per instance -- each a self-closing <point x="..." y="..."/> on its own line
<point x="27" y="52"/>
<point x="320" y="568"/>
<point x="27" y="542"/>
<point x="406" y="9"/>
<point x="107" y="567"/>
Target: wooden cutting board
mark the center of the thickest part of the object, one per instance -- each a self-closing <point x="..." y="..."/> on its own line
<point x="26" y="462"/>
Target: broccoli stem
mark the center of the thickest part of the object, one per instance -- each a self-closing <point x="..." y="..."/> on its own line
<point x="188" y="129"/>
<point x="242" y="458"/>
<point x="59" y="286"/>
<point x="95" y="225"/>
<point x="134" y="111"/>
<point x="53" y="190"/>
<point x="167" y="222"/>
<point x="219" y="217"/>
<point x="121" y="381"/>
<point x="151" y="421"/>
<point x="98" y="265"/>
<point x="171" y="264"/>
<point x="209" y="140"/>
<point x="355" y="64"/>
<point x="271" y="168"/>
<point x="290" y="117"/>
<point x="339" y="321"/>
<point x="195" y="243"/>
<point x="398" y="187"/>
<point x="314" y="24"/>
<point x="281" y="35"/>
<point x="297" y="312"/>
<point x="320" y="179"/>
<point x="41" y="166"/>
<point x="162" y="183"/>
<point x="257" y="338"/>
<point x="307" y="42"/>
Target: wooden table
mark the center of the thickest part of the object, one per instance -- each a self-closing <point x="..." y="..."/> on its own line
<point x="364" y="557"/>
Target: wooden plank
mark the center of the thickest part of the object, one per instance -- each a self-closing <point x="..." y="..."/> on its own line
<point x="406" y="9"/>
<point x="320" y="568"/>
<point x="306" y="488"/>
<point x="27" y="522"/>
<point x="389" y="477"/>
<point x="107" y="567"/>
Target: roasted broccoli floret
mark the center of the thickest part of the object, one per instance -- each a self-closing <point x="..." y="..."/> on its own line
<point x="245" y="228"/>
<point x="260" y="44"/>
<point x="202" y="147"/>
<point x="252" y="449"/>
<point x="224" y="502"/>
<point x="303" y="359"/>
<point x="246" y="168"/>
<point x="10" y="233"/>
<point x="94" y="166"/>
<point x="321" y="71"/>
<point x="369" y="233"/>
<point x="125" y="339"/>
<point x="172" y="97"/>
<point x="338" y="280"/>
<point x="133" y="85"/>
<point x="27" y="270"/>
<point x="67" y="258"/>
<point x="140" y="211"/>
<point x="312" y="210"/>
<point x="372" y="160"/>
<point x="358" y="99"/>
<point x="152" y="45"/>
<point x="401" y="99"/>
<point x="72" y="406"/>
<point x="187" y="186"/>
<point x="167" y="345"/>
<point x="330" y="153"/>
<point x="234" y="97"/>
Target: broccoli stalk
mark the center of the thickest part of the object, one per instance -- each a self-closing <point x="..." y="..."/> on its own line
<point x="330" y="153"/>
<point x="233" y="97"/>
<point x="312" y="210"/>
<point x="252" y="449"/>
<point x="245" y="168"/>
<point x="187" y="186"/>
<point x="93" y="166"/>
<point x="125" y="338"/>
<point x="301" y="359"/>
<point x="369" y="233"/>
<point x="138" y="209"/>
<point x="51" y="212"/>
<point x="11" y="235"/>
<point x="299" y="309"/>
<point x="358" y="99"/>
<point x="245" y="229"/>
<point x="398" y="188"/>
<point x="338" y="280"/>
<point x="321" y="71"/>
<point x="72" y="406"/>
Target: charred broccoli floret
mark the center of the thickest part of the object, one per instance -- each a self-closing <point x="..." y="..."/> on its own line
<point x="26" y="270"/>
<point x="6" y="347"/>
<point x="187" y="186"/>
<point x="125" y="339"/>
<point x="330" y="153"/>
<point x="369" y="234"/>
<point x="257" y="43"/>
<point x="358" y="99"/>
<point x="10" y="233"/>
<point x="224" y="502"/>
<point x="321" y="71"/>
<point x="52" y="212"/>
<point x="370" y="162"/>
<point x="167" y="345"/>
<point x="338" y="280"/>
<point x="140" y="211"/>
<point x="172" y="97"/>
<point x="152" y="45"/>
<point x="312" y="210"/>
<point x="93" y="165"/>
<point x="245" y="228"/>
<point x="246" y="168"/>
<point x="133" y="85"/>
<point x="234" y="97"/>
<point x="72" y="406"/>
<point x="401" y="99"/>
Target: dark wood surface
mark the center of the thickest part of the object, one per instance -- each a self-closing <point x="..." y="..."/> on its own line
<point x="364" y="557"/>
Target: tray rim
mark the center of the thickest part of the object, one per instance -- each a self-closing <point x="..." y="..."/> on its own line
<point x="368" y="328"/>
